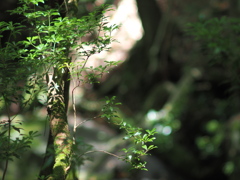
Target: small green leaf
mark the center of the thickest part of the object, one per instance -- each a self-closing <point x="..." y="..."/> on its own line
<point x="144" y="147"/>
<point x="17" y="129"/>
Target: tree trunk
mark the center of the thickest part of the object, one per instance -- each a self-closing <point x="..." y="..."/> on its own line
<point x="59" y="149"/>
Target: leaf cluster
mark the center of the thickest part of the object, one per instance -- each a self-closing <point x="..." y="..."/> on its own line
<point x="219" y="37"/>
<point x="220" y="42"/>
<point x="53" y="41"/>
<point x="140" y="138"/>
<point x="13" y="148"/>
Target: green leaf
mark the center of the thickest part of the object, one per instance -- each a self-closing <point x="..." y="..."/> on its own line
<point x="2" y="133"/>
<point x="145" y="147"/>
<point x="17" y="129"/>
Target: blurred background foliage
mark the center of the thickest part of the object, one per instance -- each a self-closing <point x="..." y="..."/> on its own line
<point x="180" y="73"/>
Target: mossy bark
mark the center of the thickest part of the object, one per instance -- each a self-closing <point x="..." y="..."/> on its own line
<point x="60" y="140"/>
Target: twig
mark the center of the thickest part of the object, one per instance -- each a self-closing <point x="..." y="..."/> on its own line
<point x="119" y="157"/>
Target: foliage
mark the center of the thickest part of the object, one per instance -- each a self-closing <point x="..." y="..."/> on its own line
<point x="218" y="36"/>
<point x="220" y="42"/>
<point x="54" y="52"/>
<point x="13" y="147"/>
<point x="137" y="135"/>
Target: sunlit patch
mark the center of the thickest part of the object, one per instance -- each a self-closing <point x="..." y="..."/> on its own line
<point x="130" y="31"/>
<point x="167" y="130"/>
<point x="164" y="130"/>
<point x="152" y="115"/>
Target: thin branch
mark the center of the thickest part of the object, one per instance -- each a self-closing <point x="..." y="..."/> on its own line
<point x="74" y="99"/>
<point x="85" y="121"/>
<point x="74" y="112"/>
<point x="106" y="152"/>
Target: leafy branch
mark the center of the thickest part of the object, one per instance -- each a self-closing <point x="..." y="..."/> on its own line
<point x="138" y="136"/>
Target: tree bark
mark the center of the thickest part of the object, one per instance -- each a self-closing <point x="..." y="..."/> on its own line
<point x="59" y="149"/>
